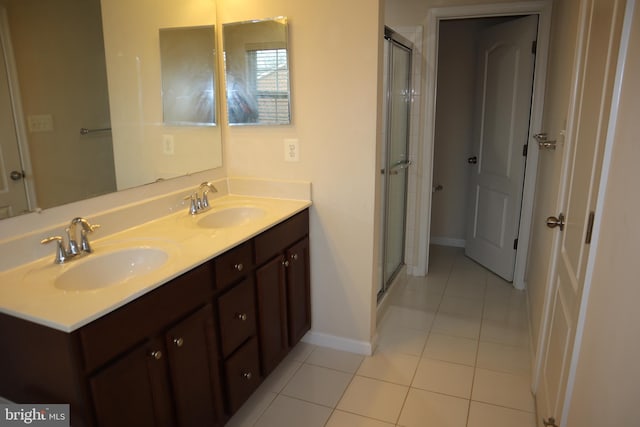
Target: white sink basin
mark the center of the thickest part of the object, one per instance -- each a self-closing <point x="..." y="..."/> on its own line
<point x="102" y="270"/>
<point x="230" y="217"/>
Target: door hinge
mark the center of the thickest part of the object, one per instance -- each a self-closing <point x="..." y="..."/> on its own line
<point x="525" y="150"/>
<point x="587" y="239"/>
<point x="515" y="244"/>
<point x="534" y="47"/>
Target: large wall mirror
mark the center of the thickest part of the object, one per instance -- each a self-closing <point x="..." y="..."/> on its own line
<point x="73" y="64"/>
<point x="257" y="72"/>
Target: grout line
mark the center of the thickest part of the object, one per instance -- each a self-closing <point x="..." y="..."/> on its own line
<point x="475" y="364"/>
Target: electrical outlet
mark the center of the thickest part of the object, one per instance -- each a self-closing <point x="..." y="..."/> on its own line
<point x="291" y="150"/>
<point x="40" y="123"/>
<point x="167" y="145"/>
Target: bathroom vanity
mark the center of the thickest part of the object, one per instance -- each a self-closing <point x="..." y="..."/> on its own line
<point x="187" y="352"/>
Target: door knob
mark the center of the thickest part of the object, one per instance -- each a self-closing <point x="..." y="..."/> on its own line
<point x="16" y="175"/>
<point x="553" y="222"/>
<point x="472" y="160"/>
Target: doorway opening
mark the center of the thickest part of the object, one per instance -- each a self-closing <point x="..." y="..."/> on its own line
<point x="485" y="80"/>
<point x="426" y="197"/>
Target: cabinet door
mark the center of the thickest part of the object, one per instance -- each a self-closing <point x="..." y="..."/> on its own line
<point x="298" y="291"/>
<point x="195" y="376"/>
<point x="134" y="391"/>
<point x="272" y="313"/>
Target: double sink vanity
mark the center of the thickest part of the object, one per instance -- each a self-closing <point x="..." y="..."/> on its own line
<point x="174" y="321"/>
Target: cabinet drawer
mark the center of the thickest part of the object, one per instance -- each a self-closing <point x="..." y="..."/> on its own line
<point x="274" y="240"/>
<point x="237" y="310"/>
<point x="233" y="265"/>
<point x="243" y="374"/>
<point x="105" y="338"/>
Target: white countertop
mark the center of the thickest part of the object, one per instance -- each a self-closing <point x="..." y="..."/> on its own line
<point x="28" y="292"/>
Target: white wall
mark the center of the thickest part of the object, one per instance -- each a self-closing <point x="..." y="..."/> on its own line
<point x="607" y="382"/>
<point x="335" y="79"/>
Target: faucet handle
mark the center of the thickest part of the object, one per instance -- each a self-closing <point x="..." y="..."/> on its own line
<point x="84" y="240"/>
<point x="61" y="254"/>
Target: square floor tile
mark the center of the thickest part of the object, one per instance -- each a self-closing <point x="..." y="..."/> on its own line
<point x="502" y="389"/>
<point x="345" y="419"/>
<point x="335" y="359"/>
<point x="301" y="351"/>
<point x="501" y="333"/>
<point x="460" y="306"/>
<point x="393" y="367"/>
<point x="286" y="411"/>
<point x="451" y="349"/>
<point x="318" y="385"/>
<point x="251" y="410"/>
<point x="463" y="327"/>
<point x="427" y="409"/>
<point x="402" y="340"/>
<point x="374" y="399"/>
<point x="281" y="375"/>
<point x="444" y="377"/>
<point x="405" y="317"/>
<point x="504" y="358"/>
<point x="484" y="415"/>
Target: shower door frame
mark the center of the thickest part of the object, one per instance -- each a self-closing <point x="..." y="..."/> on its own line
<point x="395" y="40"/>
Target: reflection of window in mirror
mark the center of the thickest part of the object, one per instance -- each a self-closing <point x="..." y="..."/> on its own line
<point x="257" y="72"/>
<point x="269" y="81"/>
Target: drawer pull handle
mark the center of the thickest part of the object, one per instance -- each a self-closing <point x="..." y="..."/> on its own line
<point x="285" y="263"/>
<point x="294" y="257"/>
<point x="238" y="266"/>
<point x="179" y="342"/>
<point x="156" y="354"/>
<point x="241" y="316"/>
<point x="247" y="376"/>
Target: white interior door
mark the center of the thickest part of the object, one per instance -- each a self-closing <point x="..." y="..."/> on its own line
<point x="598" y="45"/>
<point x="505" y="80"/>
<point x="13" y="196"/>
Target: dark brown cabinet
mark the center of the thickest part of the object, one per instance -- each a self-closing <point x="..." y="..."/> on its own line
<point x="188" y="353"/>
<point x="177" y="370"/>
<point x="283" y="288"/>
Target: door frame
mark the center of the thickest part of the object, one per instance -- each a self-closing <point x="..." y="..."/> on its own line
<point x="542" y="8"/>
<point x="16" y="106"/>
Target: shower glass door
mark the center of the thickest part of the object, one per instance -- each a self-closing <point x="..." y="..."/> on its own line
<point x="396" y="156"/>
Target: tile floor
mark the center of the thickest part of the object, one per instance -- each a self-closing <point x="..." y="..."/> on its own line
<point x="452" y="352"/>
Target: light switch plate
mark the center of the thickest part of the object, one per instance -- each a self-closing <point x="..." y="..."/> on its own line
<point x="167" y="145"/>
<point x="291" y="150"/>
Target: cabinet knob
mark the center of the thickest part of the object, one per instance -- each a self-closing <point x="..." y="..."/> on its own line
<point x="179" y="342"/>
<point x="241" y="316"/>
<point x="285" y="263"/>
<point x="247" y="375"/>
<point x="294" y="257"/>
<point x="238" y="266"/>
<point x="156" y="354"/>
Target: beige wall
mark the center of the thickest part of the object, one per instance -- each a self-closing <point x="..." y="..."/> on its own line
<point x="133" y="68"/>
<point x="413" y="12"/>
<point x="59" y="56"/>
<point x="334" y="82"/>
<point x="607" y="382"/>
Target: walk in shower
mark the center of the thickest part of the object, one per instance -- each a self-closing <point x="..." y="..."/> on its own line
<point x="395" y="153"/>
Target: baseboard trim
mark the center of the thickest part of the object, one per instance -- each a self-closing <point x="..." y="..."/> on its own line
<point x="448" y="241"/>
<point x="338" y="343"/>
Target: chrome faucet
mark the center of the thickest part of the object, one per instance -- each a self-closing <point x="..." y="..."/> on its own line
<point x="72" y="250"/>
<point x="200" y="203"/>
